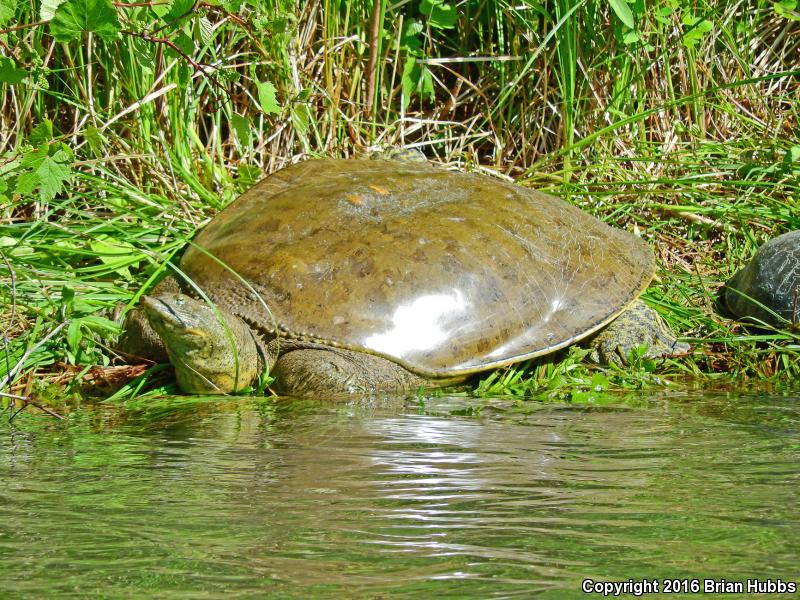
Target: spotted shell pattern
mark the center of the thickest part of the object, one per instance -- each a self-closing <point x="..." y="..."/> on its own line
<point x="446" y="273"/>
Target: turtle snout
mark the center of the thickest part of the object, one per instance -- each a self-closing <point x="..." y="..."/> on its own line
<point x="159" y="310"/>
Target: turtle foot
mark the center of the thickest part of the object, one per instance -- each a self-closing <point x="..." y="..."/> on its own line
<point x="637" y="326"/>
<point x="331" y="371"/>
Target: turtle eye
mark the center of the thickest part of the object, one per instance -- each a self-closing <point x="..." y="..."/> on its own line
<point x="180" y="300"/>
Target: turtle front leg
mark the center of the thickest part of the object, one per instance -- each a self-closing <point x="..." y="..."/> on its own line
<point x="331" y="371"/>
<point x="638" y="325"/>
<point x="212" y="350"/>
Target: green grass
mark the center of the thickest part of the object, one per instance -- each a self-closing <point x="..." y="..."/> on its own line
<point x="113" y="152"/>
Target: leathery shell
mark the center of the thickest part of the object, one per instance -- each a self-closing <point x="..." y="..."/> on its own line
<point x="446" y="273"/>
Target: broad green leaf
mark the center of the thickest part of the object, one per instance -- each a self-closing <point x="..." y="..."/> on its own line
<point x="58" y="151"/>
<point x="409" y="79"/>
<point x="61" y="153"/>
<point x="74" y="334"/>
<point x="300" y="119"/>
<point x="100" y="324"/>
<point x="409" y="39"/>
<point x="67" y="297"/>
<point x="95" y="140"/>
<point x="76" y="16"/>
<point x="416" y="79"/>
<point x="631" y="37"/>
<point x="48" y="9"/>
<point x="52" y="175"/>
<point x="34" y="158"/>
<point x="41" y="134"/>
<point x="9" y="72"/>
<point x="787" y="9"/>
<point x="248" y="175"/>
<point x="696" y="29"/>
<point x="206" y="29"/>
<point x="791" y="161"/>
<point x="425" y="85"/>
<point x="184" y="43"/>
<point x="7" y="8"/>
<point x="599" y="382"/>
<point x="241" y="125"/>
<point x="440" y="15"/>
<point x="413" y="27"/>
<point x="267" y="98"/>
<point x="184" y="76"/>
<point x="7" y="186"/>
<point x="114" y="254"/>
<point x="13" y="246"/>
<point x="142" y="53"/>
<point x="48" y="173"/>
<point x="173" y="12"/>
<point x="281" y="26"/>
<point x="8" y="167"/>
<point x="160" y="9"/>
<point x="27" y="182"/>
<point x="623" y="12"/>
<point x="662" y="14"/>
<point x="581" y="397"/>
<point x="179" y="10"/>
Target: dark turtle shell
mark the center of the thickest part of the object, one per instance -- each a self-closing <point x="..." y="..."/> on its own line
<point x="445" y="273"/>
<point x="769" y="285"/>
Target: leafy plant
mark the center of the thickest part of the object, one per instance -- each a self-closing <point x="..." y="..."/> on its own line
<point x="125" y="126"/>
<point x="73" y="18"/>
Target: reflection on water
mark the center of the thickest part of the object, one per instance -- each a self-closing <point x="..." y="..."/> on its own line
<point x="307" y="499"/>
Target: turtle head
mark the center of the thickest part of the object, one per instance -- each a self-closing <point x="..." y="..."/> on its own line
<point x="184" y="323"/>
<point x="212" y="350"/>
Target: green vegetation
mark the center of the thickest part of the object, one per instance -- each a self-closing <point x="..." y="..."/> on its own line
<point x="125" y="126"/>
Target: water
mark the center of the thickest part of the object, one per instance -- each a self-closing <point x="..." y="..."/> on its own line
<point x="392" y="499"/>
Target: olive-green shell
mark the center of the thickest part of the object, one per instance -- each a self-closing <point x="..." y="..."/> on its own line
<point x="445" y="273"/>
<point x="769" y="284"/>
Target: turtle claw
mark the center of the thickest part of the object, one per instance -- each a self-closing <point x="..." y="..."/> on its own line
<point x="637" y="327"/>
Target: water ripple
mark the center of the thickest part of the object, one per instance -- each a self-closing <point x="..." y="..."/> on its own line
<point x="324" y="500"/>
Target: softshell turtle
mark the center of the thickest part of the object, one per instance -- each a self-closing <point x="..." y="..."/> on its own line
<point x="767" y="289"/>
<point x="370" y="275"/>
